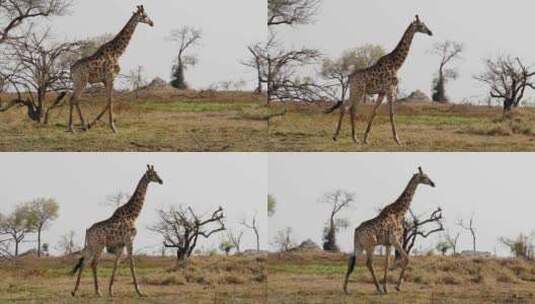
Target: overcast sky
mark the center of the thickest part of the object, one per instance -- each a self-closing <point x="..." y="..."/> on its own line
<point x="496" y="188"/>
<point x="80" y="183"/>
<point x="228" y="27"/>
<point x="480" y="24"/>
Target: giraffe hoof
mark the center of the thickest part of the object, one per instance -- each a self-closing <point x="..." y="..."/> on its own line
<point x="355" y="140"/>
<point x="397" y="288"/>
<point x="114" y="129"/>
<point x="71" y="130"/>
<point x="98" y="294"/>
<point x="73" y="294"/>
<point x="334" y="138"/>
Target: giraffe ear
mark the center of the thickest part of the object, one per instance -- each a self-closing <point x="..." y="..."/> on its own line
<point x="420" y="170"/>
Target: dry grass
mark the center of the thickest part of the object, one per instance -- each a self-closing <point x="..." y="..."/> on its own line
<point x="157" y="121"/>
<point x="170" y="120"/>
<point x="421" y="127"/>
<point x="317" y="278"/>
<point x="213" y="279"/>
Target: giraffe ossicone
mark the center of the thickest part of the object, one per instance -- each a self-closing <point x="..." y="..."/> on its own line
<point x="103" y="67"/>
<point x="385" y="229"/>
<point x="114" y="234"/>
<point x="379" y="79"/>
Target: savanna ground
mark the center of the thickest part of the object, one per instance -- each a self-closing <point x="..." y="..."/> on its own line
<point x="211" y="279"/>
<point x="421" y="127"/>
<point x="317" y="277"/>
<point x="159" y="120"/>
<point x="170" y="120"/>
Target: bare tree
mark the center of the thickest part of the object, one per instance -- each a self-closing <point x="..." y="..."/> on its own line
<point x="15" y="13"/>
<point x="470" y="227"/>
<point x="235" y="239"/>
<point x="181" y="227"/>
<point x="185" y="37"/>
<point x="521" y="246"/>
<point x="452" y="240"/>
<point x="136" y="78"/>
<point x="283" y="240"/>
<point x="254" y="228"/>
<point x="422" y="226"/>
<point x="338" y="70"/>
<point x="226" y="246"/>
<point x="448" y="51"/>
<point x="16" y="226"/>
<point x="67" y="243"/>
<point x="507" y="79"/>
<point x="37" y="69"/>
<point x="337" y="201"/>
<point x="116" y="199"/>
<point x="42" y="211"/>
<point x="291" y="12"/>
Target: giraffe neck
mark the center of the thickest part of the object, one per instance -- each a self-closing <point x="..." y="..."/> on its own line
<point x="135" y="203"/>
<point x="400" y="53"/>
<point x="121" y="40"/>
<point x="402" y="204"/>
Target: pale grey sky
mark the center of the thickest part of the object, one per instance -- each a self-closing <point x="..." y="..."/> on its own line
<point x="227" y="26"/>
<point x="496" y="188"/>
<point x="481" y="25"/>
<point x="80" y="183"/>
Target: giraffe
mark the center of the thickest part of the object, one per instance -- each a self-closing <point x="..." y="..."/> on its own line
<point x="386" y="229"/>
<point x="381" y="79"/>
<point x="114" y="234"/>
<point x="103" y="67"/>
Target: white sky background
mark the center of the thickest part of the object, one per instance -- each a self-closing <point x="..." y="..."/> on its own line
<point x="487" y="28"/>
<point x="496" y="188"/>
<point x="80" y="183"/>
<point x="228" y="27"/>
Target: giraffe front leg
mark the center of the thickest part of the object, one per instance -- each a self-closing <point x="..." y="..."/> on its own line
<point x="353" y="117"/>
<point x="70" y="127"/>
<point x="404" y="262"/>
<point x="115" y="264"/>
<point x="129" y="248"/>
<point x="387" y="258"/>
<point x="109" y="87"/>
<point x="372" y="117"/>
<point x="369" y="264"/>
<point x="339" y="125"/>
<point x="392" y="118"/>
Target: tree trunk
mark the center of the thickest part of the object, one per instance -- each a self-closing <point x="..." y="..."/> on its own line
<point x="17" y="247"/>
<point x="181" y="259"/>
<point x="508" y="105"/>
<point x="257" y="240"/>
<point x="39" y="241"/>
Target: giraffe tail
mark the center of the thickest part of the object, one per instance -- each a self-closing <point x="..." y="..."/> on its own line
<point x="331" y="109"/>
<point x="350" y="267"/>
<point x="77" y="266"/>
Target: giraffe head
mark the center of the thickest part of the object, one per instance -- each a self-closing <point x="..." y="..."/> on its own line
<point x="423" y="178"/>
<point x="152" y="175"/>
<point x="142" y="17"/>
<point x="420" y="27"/>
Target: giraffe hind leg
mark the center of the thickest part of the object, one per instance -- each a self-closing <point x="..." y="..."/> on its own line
<point x="351" y="263"/>
<point x="86" y="255"/>
<point x="94" y="268"/>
